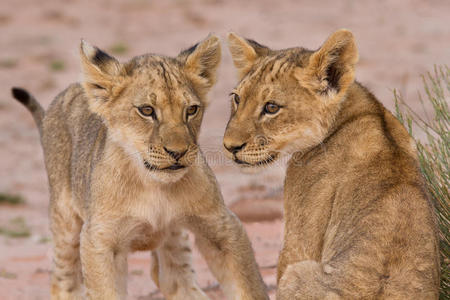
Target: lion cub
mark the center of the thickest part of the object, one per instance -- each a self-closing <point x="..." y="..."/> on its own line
<point x="358" y="223"/>
<point x="126" y="174"/>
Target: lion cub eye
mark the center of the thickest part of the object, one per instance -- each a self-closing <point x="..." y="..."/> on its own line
<point x="192" y="110"/>
<point x="236" y="98"/>
<point x="146" y="110"/>
<point x="271" y="108"/>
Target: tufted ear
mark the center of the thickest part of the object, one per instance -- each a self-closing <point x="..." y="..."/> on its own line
<point x="201" y="62"/>
<point x="244" y="53"/>
<point x="331" y="69"/>
<point x="102" y="72"/>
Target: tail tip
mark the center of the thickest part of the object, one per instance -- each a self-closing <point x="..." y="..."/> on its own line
<point x="21" y="95"/>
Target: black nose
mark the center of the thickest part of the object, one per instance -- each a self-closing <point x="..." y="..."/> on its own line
<point x="175" y="154"/>
<point x="234" y="149"/>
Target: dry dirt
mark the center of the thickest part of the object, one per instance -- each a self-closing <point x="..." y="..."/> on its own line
<point x="398" y="40"/>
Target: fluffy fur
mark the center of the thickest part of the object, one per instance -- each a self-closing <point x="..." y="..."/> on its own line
<point x="358" y="223"/>
<point x="122" y="181"/>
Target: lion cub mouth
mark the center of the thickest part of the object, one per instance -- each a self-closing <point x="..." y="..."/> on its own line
<point x="264" y="162"/>
<point x="175" y="166"/>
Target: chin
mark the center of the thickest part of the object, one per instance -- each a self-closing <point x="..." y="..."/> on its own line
<point x="168" y="176"/>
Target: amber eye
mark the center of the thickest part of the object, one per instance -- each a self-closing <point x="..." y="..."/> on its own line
<point x="146" y="111"/>
<point x="235" y="98"/>
<point x="192" y="110"/>
<point x="271" y="108"/>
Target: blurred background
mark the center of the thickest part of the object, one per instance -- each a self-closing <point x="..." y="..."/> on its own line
<point x="397" y="40"/>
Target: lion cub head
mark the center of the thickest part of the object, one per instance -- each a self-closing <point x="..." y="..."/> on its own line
<point x="286" y="100"/>
<point x="153" y="105"/>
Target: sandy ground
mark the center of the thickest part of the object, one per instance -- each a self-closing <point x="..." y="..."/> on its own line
<point x="398" y="40"/>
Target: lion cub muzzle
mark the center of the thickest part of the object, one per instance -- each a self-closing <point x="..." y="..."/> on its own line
<point x="177" y="150"/>
<point x="247" y="151"/>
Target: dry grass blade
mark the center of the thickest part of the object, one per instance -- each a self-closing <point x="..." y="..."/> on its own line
<point x="434" y="154"/>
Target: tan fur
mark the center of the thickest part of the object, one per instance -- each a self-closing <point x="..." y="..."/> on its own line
<point x="110" y="193"/>
<point x="358" y="223"/>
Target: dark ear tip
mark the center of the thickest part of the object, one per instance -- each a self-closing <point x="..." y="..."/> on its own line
<point x="20" y="94"/>
<point x="189" y="50"/>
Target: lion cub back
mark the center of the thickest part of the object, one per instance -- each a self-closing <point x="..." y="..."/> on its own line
<point x="364" y="196"/>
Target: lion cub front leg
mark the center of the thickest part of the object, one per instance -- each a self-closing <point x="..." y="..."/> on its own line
<point x="226" y="248"/>
<point x="104" y="262"/>
<point x="172" y="270"/>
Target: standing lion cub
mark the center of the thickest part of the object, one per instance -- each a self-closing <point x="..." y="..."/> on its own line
<point x="358" y="223"/>
<point x="126" y="174"/>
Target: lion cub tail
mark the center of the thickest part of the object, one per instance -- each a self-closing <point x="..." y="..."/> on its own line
<point x="31" y="103"/>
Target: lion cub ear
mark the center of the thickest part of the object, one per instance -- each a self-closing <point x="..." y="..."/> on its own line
<point x="244" y="53"/>
<point x="102" y="72"/>
<point x="331" y="69"/>
<point x="201" y="62"/>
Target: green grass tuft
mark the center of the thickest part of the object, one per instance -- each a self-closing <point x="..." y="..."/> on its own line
<point x="44" y="240"/>
<point x="16" y="228"/>
<point x="8" y="63"/>
<point x="119" y="48"/>
<point x="7" y="275"/>
<point x="11" y="199"/>
<point x="434" y="154"/>
<point x="57" y="65"/>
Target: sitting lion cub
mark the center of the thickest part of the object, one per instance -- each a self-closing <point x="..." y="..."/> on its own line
<point x="358" y="224"/>
<point x="126" y="174"/>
